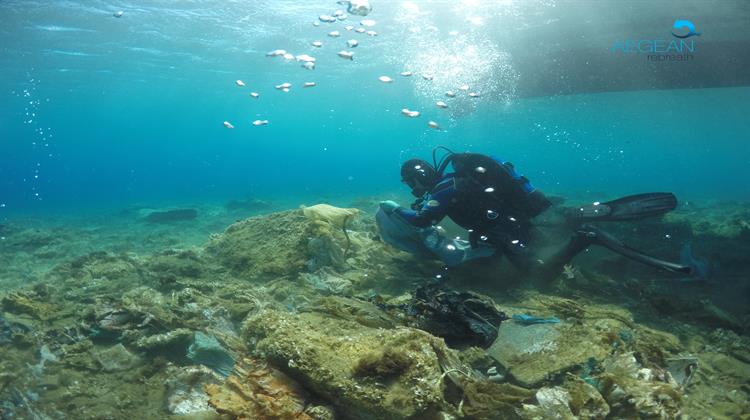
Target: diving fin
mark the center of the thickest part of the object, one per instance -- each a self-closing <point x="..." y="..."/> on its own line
<point x="600" y="237"/>
<point x="632" y="207"/>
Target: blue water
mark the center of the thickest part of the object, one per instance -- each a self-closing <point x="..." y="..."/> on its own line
<point x="101" y="112"/>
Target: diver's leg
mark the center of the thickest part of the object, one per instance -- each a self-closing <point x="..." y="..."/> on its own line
<point x="586" y="236"/>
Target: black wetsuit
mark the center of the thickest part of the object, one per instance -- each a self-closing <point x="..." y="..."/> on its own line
<point x="508" y="233"/>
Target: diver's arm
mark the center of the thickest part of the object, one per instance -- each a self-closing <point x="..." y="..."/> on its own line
<point x="434" y="208"/>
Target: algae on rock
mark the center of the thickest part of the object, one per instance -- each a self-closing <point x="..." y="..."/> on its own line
<point x="323" y="353"/>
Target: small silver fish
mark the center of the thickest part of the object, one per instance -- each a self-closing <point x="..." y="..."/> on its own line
<point x="258" y="123"/>
<point x="316" y="23"/>
<point x="227" y="124"/>
<point x="342" y="17"/>
<point x="118" y="14"/>
<point x="360" y="30"/>
<point x="346" y="54"/>
<point x="409" y="113"/>
<point x="385" y="79"/>
<point x="450" y="94"/>
<point x="352" y="43"/>
<point x="334" y="34"/>
<point x="309" y="65"/>
<point x="309" y="84"/>
<point x="240" y="83"/>
<point x="371" y="33"/>
<point x="275" y="53"/>
<point x="464" y="88"/>
<point x="357" y="7"/>
<point x="433" y="124"/>
<point x="305" y="58"/>
<point x="285" y="85"/>
<point x="316" y="44"/>
<point x="441" y="104"/>
<point x="406" y="73"/>
<point x="288" y="56"/>
<point x="368" y="23"/>
<point x="348" y="27"/>
<point x="327" y="18"/>
<point x="428" y="76"/>
<point x="254" y="95"/>
<point x="473" y="95"/>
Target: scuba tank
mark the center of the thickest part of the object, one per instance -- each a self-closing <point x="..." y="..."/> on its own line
<point x="491" y="191"/>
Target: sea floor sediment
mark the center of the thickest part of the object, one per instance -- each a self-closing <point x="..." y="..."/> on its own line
<point x="258" y="311"/>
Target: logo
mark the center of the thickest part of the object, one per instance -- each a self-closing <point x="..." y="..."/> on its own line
<point x="679" y="26"/>
<point x="662" y="49"/>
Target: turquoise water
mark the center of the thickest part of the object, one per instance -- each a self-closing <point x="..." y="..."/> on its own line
<point x="104" y="112"/>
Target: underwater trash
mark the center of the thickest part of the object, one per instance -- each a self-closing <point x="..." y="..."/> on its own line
<point x="116" y="358"/>
<point x="385" y="79"/>
<point x="701" y="267"/>
<point x="258" y="391"/>
<point x="185" y="390"/>
<point x="258" y="123"/>
<point x="682" y="369"/>
<point x="530" y="320"/>
<point x="461" y="318"/>
<point x="206" y="350"/>
<point x="352" y="43"/>
<point x="348" y="55"/>
<point x="227" y="124"/>
<point x="169" y="216"/>
<point x="441" y="104"/>
<point x="240" y="83"/>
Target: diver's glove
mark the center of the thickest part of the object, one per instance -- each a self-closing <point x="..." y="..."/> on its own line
<point x="389" y="206"/>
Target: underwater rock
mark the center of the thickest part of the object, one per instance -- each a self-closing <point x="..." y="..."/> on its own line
<point x="185" y="394"/>
<point x="29" y="303"/>
<point x="116" y="358"/>
<point x="268" y="246"/>
<point x="535" y="353"/>
<point x="324" y="352"/>
<point x="206" y="350"/>
<point x="258" y="391"/>
<point x="171" y="216"/>
<point x="352" y="309"/>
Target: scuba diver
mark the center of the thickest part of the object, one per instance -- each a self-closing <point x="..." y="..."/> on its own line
<point x="496" y="205"/>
